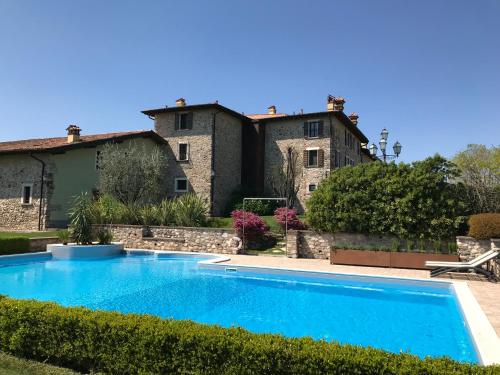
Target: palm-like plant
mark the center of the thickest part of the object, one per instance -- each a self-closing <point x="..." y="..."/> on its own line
<point x="80" y="216"/>
<point x="190" y="211"/>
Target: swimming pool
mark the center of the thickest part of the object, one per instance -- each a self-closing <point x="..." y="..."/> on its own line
<point x="420" y="318"/>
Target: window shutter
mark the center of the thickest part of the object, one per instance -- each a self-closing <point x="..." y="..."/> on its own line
<point x="177" y="121"/>
<point x="190" y="120"/>
<point x="306" y="158"/>
<point x="320" y="129"/>
<point x="306" y="130"/>
<point x="321" y="158"/>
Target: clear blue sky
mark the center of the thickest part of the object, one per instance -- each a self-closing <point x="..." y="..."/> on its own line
<point x="427" y="70"/>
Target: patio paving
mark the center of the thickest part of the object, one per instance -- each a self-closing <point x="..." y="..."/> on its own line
<point x="487" y="293"/>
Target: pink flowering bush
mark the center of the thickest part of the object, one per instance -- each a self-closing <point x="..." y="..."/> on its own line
<point x="293" y="220"/>
<point x="254" y="225"/>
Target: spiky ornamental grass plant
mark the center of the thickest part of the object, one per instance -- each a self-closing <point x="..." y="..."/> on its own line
<point x="190" y="211"/>
<point x="80" y="216"/>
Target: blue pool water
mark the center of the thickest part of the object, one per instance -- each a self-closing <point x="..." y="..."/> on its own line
<point x="422" y="320"/>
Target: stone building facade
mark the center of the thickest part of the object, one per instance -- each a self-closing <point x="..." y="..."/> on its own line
<point x="40" y="177"/>
<point x="217" y="150"/>
<point x="204" y="151"/>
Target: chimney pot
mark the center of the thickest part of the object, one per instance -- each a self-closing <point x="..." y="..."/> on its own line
<point x="271" y="110"/>
<point x="181" y="102"/>
<point x="338" y="103"/>
<point x="354" y="118"/>
<point x="73" y="133"/>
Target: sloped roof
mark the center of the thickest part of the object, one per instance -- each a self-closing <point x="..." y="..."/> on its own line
<point x="259" y="116"/>
<point x="61" y="144"/>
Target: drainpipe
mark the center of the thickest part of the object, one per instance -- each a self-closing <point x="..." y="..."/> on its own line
<point x="212" y="167"/>
<point x="41" y="191"/>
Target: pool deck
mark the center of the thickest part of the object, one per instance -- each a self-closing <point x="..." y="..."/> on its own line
<point x="486" y="293"/>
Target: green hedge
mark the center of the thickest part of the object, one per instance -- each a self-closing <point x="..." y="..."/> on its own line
<point x="14" y="245"/>
<point x="87" y="340"/>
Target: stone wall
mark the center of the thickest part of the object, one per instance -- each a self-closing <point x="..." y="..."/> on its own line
<point x="469" y="248"/>
<point x="282" y="134"/>
<point x="40" y="243"/>
<point x="16" y="170"/>
<point x="227" y="163"/>
<point x="309" y="244"/>
<point x="206" y="240"/>
<point x="198" y="169"/>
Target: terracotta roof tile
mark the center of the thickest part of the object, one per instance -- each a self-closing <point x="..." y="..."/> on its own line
<point x="258" y="116"/>
<point x="61" y="143"/>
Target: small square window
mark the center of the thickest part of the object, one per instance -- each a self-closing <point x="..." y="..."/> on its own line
<point x="27" y="191"/>
<point x="183" y="152"/>
<point x="311" y="188"/>
<point x="183" y="121"/>
<point x="312" y="159"/>
<point x="181" y="185"/>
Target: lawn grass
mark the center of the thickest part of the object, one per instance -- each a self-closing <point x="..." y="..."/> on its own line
<point x="10" y="365"/>
<point x="28" y="234"/>
<point x="227" y="222"/>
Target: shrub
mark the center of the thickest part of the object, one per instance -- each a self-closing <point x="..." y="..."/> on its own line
<point x="81" y="215"/>
<point x="104" y="237"/>
<point x="190" y="211"/>
<point x="166" y="212"/>
<point x="114" y="343"/>
<point x="262" y="207"/>
<point x="484" y="226"/>
<point x="288" y="217"/>
<point x="64" y="236"/>
<point x="14" y="245"/>
<point x="149" y="215"/>
<point x="254" y="225"/>
<point x="407" y="200"/>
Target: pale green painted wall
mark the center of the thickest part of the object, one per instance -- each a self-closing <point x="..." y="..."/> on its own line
<point x="75" y="172"/>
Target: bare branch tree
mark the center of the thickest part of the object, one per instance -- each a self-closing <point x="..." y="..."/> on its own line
<point x="284" y="178"/>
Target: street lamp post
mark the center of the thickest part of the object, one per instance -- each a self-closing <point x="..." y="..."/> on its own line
<point x="383" y="147"/>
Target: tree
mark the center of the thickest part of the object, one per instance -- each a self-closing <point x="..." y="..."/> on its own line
<point x="284" y="179"/>
<point x="480" y="172"/>
<point x="132" y="174"/>
<point x="407" y="200"/>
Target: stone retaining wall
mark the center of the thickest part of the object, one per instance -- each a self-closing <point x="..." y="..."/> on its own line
<point x="206" y="240"/>
<point x="469" y="248"/>
<point x="40" y="243"/>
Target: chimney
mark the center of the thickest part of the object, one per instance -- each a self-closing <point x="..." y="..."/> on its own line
<point x="329" y="103"/>
<point x="73" y="133"/>
<point x="181" y="102"/>
<point x="271" y="110"/>
<point x="338" y="103"/>
<point x="354" y="118"/>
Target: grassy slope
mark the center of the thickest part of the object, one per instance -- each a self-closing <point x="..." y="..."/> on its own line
<point x="10" y="365"/>
<point x="27" y="234"/>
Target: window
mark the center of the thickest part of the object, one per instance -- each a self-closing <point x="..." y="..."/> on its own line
<point x="181" y="185"/>
<point x="97" y="160"/>
<point x="183" y="152"/>
<point x="311" y="188"/>
<point x="27" y="192"/>
<point x="313" y="129"/>
<point x="183" y="121"/>
<point x="312" y="158"/>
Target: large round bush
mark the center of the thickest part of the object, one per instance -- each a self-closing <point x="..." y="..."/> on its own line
<point x="407" y="200"/>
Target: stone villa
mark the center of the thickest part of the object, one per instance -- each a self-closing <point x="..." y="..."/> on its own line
<point x="211" y="150"/>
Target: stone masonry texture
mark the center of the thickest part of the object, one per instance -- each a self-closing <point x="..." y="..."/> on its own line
<point x="280" y="135"/>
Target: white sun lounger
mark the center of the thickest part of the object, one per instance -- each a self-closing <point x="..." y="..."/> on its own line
<point x="475" y="264"/>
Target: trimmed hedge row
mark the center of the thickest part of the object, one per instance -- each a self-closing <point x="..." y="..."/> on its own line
<point x="14" y="245"/>
<point x="115" y="343"/>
